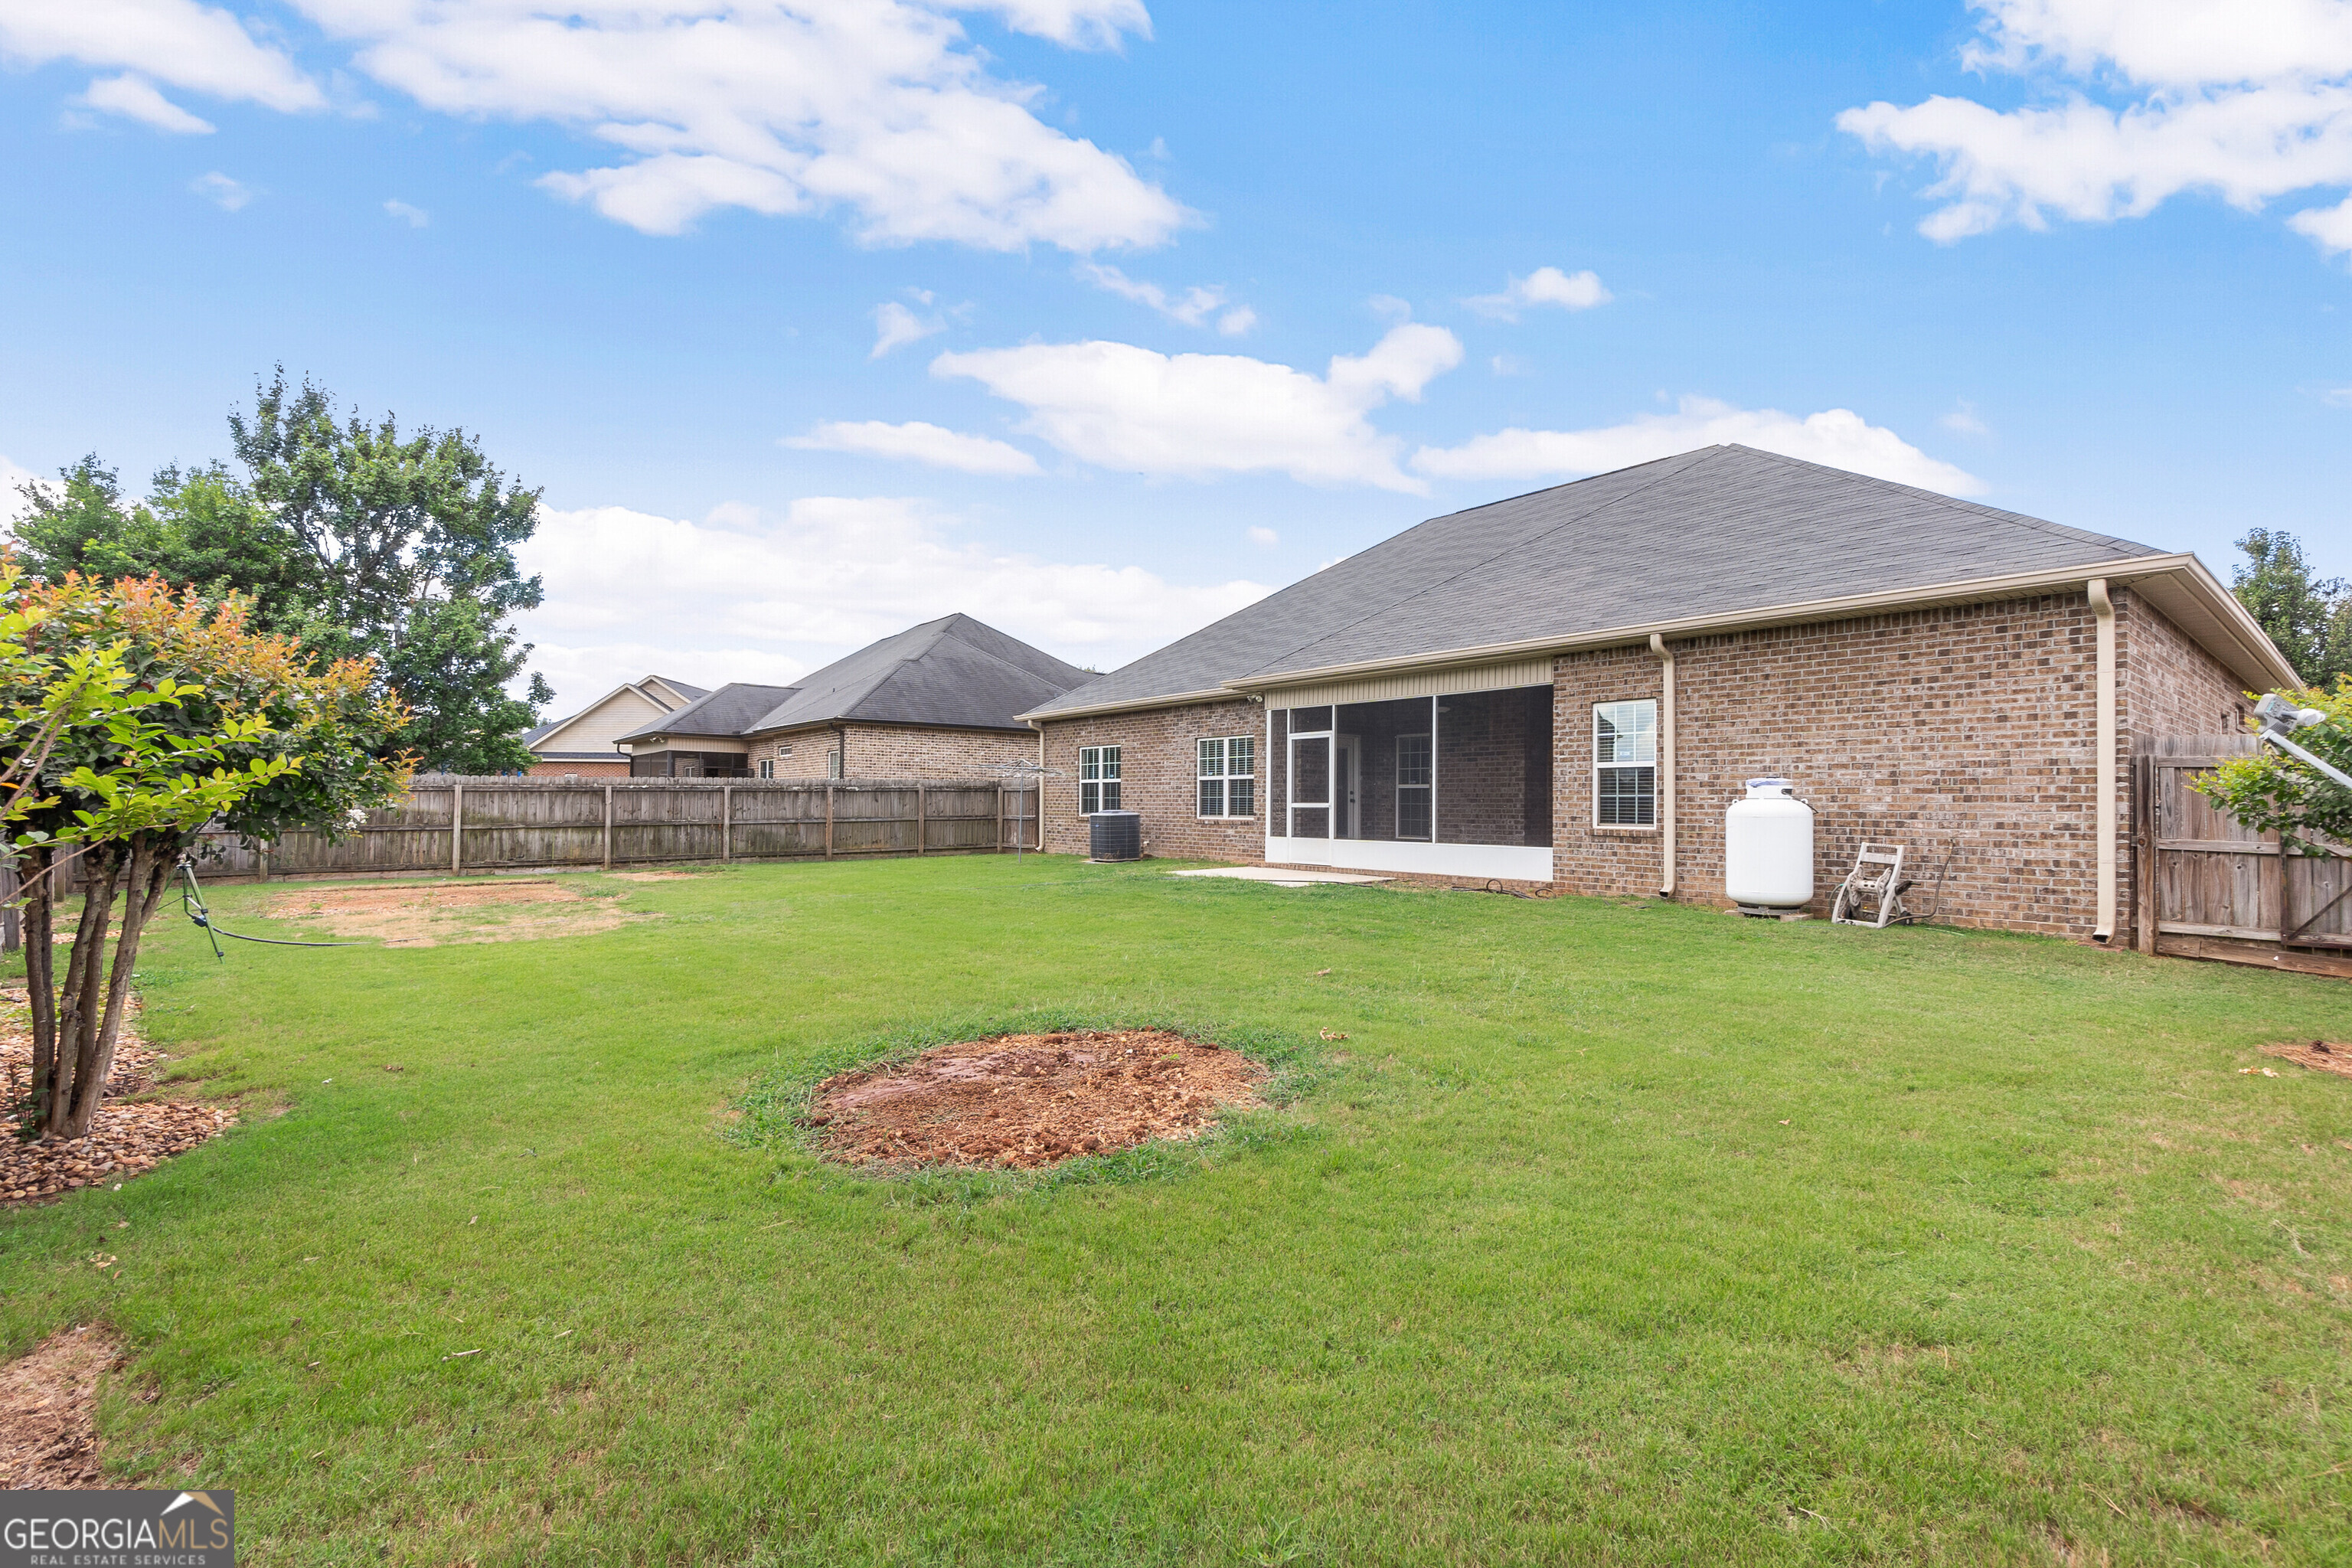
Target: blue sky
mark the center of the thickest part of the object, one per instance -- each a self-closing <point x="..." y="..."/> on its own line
<point x="1188" y="301"/>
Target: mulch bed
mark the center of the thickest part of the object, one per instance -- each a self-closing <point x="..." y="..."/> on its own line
<point x="2318" y="1053"/>
<point x="1019" y="1101"/>
<point x="47" y="1441"/>
<point x="126" y="1137"/>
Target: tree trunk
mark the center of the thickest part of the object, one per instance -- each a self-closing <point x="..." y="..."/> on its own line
<point x="150" y="867"/>
<point x="39" y="868"/>
<point x="76" y="1018"/>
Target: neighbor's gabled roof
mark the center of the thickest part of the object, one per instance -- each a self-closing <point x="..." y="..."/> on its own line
<point x="730" y="711"/>
<point x="658" y="690"/>
<point x="1711" y="535"/>
<point x="954" y="671"/>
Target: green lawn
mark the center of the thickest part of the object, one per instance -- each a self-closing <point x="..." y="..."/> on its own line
<point x="1623" y="1233"/>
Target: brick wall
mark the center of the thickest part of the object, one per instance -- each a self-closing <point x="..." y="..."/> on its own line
<point x="895" y="751"/>
<point x="1970" y="728"/>
<point x="582" y="770"/>
<point x="1159" y="779"/>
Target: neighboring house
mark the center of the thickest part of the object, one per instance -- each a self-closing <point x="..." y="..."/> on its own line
<point x="582" y="745"/>
<point x="937" y="701"/>
<point x="1567" y="689"/>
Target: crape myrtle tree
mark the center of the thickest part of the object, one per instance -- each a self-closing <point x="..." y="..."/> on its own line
<point x="198" y="716"/>
<point x="344" y="533"/>
<point x="2271" y="792"/>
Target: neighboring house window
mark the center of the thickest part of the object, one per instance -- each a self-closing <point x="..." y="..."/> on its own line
<point x="1625" y="763"/>
<point x="1098" y="779"/>
<point x="1228" y="774"/>
<point x="833" y="764"/>
<point x="767" y="768"/>
<point x="1412" y="786"/>
<point x="782" y="751"/>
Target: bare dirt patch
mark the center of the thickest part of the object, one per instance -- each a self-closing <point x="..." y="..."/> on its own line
<point x="660" y="876"/>
<point x="429" y="916"/>
<point x="1019" y="1101"/>
<point x="47" y="1439"/>
<point x="2320" y="1054"/>
<point x="126" y="1137"/>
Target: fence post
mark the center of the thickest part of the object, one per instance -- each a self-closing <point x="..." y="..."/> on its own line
<point x="922" y="820"/>
<point x="828" y="819"/>
<point x="727" y="822"/>
<point x="2144" y="863"/>
<point x="999" y="819"/>
<point x="608" y="827"/>
<point x="456" y="829"/>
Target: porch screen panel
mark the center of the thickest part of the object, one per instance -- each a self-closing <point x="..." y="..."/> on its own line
<point x="1413" y="777"/>
<point x="1492" y="771"/>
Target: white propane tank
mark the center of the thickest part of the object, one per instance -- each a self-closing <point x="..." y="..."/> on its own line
<point x="1767" y="847"/>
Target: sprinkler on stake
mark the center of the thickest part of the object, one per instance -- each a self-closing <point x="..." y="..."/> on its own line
<point x="2281" y="718"/>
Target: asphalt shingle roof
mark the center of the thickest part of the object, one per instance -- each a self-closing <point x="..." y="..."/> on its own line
<point x="1715" y="531"/>
<point x="955" y="670"/>
<point x="729" y="710"/>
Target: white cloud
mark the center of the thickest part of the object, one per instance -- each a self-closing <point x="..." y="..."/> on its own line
<point x="1265" y="538"/>
<point x="180" y="42"/>
<point x="1964" y="419"/>
<point x="221" y="191"/>
<point x="2337" y="398"/>
<point x="2248" y="100"/>
<point x="135" y="97"/>
<point x="1193" y="307"/>
<point x="740" y="597"/>
<point x="895" y="326"/>
<point x="919" y="443"/>
<point x="880" y="109"/>
<point x="1544" y="286"/>
<point x="1121" y="406"/>
<point x="414" y="218"/>
<point x="13" y="478"/>
<point x="1839" y="439"/>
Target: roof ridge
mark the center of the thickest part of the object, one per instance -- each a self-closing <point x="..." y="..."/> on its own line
<point x="1520" y="544"/>
<point x="1962" y="503"/>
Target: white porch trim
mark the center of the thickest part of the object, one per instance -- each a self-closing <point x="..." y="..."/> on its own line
<point x="1511" y="862"/>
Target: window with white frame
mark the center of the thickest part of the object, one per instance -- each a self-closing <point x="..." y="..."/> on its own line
<point x="1625" y="763"/>
<point x="1228" y="776"/>
<point x="833" y="764"/>
<point x="1414" y="781"/>
<point x="1098" y="779"/>
<point x="767" y="767"/>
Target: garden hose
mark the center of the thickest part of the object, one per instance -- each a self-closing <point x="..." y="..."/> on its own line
<point x="192" y="904"/>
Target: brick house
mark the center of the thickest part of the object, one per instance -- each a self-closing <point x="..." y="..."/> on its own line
<point x="584" y="744"/>
<point x="937" y="701"/>
<point x="1567" y="689"/>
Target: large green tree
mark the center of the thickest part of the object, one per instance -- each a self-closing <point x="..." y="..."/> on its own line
<point x="2309" y="617"/>
<point x="345" y="534"/>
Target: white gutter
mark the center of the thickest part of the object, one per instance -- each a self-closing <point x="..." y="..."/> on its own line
<point x="2104" y="761"/>
<point x="1665" y="764"/>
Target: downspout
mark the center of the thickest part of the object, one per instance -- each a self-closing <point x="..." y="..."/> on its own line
<point x="2104" y="763"/>
<point x="1667" y="763"/>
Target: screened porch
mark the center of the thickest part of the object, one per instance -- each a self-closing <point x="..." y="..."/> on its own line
<point x="1454" y="786"/>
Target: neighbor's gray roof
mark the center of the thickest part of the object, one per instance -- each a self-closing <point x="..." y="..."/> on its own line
<point x="951" y="671"/>
<point x="730" y="711"/>
<point x="691" y="693"/>
<point x="1715" y="531"/>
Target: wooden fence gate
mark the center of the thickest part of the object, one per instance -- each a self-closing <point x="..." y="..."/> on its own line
<point x="2209" y="888"/>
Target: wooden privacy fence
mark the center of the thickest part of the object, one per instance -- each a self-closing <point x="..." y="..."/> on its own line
<point x="2211" y="889"/>
<point x="452" y="824"/>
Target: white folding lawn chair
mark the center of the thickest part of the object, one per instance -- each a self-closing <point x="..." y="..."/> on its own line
<point x="1875" y="887"/>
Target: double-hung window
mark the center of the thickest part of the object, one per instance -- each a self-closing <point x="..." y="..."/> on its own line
<point x="1098" y="779"/>
<point x="1414" y="780"/>
<point x="1625" y="763"/>
<point x="1228" y="776"/>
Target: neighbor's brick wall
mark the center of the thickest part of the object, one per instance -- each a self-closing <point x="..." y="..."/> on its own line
<point x="1971" y="724"/>
<point x="583" y="770"/>
<point x="891" y="752"/>
<point x="1158" y="765"/>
